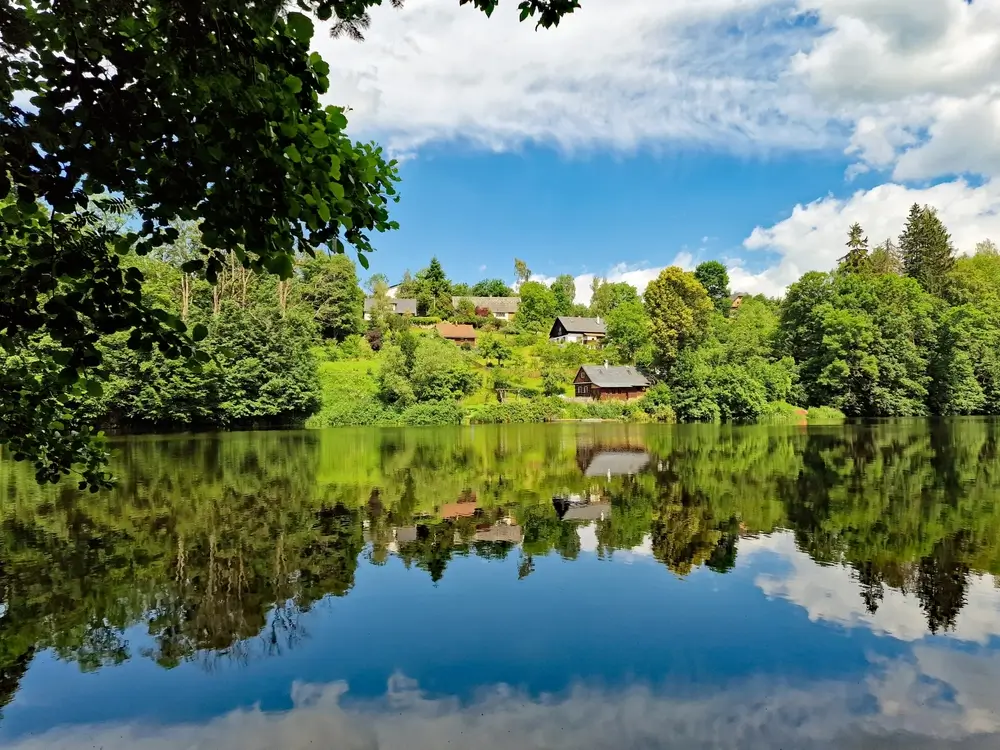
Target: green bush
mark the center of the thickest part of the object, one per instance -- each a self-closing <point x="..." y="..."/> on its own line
<point x="513" y="412"/>
<point x="425" y="320"/>
<point x="782" y="412"/>
<point x="361" y="411"/>
<point x="825" y="415"/>
<point x="439" y="413"/>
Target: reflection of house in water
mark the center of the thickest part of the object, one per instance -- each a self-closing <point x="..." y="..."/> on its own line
<point x="616" y="463"/>
<point x="575" y="508"/>
<point x="500" y="532"/>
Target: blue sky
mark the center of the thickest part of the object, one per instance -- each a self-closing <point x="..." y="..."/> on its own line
<point x="640" y="134"/>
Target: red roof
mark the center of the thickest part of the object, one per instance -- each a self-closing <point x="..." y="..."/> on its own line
<point x="460" y="331"/>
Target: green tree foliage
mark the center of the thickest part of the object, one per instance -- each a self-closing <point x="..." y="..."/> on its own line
<point x="679" y="309"/>
<point x="715" y="278"/>
<point x="494" y="348"/>
<point x="521" y="271"/>
<point x="861" y="342"/>
<point x="564" y="289"/>
<point x="330" y="287"/>
<point x="925" y="245"/>
<point x="629" y="334"/>
<point x="885" y="258"/>
<point x="856" y="259"/>
<point x="491" y="288"/>
<point x="212" y="114"/>
<point x="606" y="296"/>
<point x="424" y="369"/>
<point x="538" y="307"/>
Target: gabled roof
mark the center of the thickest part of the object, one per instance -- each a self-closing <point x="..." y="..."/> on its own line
<point x="581" y="325"/>
<point x="493" y="304"/>
<point x="400" y="306"/>
<point x="615" y="376"/>
<point x="456" y="330"/>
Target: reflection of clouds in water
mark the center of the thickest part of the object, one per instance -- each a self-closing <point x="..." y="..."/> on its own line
<point x="830" y="593"/>
<point x="588" y="543"/>
<point x="939" y="698"/>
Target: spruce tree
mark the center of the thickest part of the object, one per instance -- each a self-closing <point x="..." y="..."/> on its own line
<point x="857" y="250"/>
<point x="885" y="258"/>
<point x="925" y="244"/>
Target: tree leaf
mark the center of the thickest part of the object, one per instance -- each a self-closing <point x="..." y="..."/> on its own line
<point x="199" y="332"/>
<point x="293" y="84"/>
<point x="300" y="27"/>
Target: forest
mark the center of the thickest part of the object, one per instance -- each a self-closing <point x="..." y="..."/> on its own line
<point x="907" y="328"/>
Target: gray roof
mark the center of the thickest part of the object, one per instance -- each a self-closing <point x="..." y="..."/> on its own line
<point x="493" y="304"/>
<point x="591" y="512"/>
<point x="402" y="306"/>
<point x="582" y="325"/>
<point x="617" y="463"/>
<point x="615" y="376"/>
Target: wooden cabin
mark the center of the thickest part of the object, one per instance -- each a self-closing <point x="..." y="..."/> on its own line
<point x="610" y="382"/>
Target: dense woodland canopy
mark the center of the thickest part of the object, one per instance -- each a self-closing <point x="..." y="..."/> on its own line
<point x="213" y="540"/>
<point x="868" y="339"/>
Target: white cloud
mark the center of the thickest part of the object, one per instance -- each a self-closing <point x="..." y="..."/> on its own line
<point x="830" y="593"/>
<point x="624" y="73"/>
<point x="914" y="86"/>
<point x="813" y="237"/>
<point x="938" y="698"/>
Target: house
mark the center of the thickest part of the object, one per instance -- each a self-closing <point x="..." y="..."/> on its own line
<point x="573" y="509"/>
<point x="396" y="306"/>
<point x="459" y="333"/>
<point x="568" y="329"/>
<point x="736" y="300"/>
<point x="606" y="382"/>
<point x="500" y="533"/>
<point x="502" y="308"/>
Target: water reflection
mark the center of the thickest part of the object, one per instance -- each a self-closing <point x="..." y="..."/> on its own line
<point x="220" y="547"/>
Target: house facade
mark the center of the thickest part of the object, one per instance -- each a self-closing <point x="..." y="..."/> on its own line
<point x="396" y="306"/>
<point x="567" y="329"/>
<point x="502" y="308"/>
<point x="610" y="382"/>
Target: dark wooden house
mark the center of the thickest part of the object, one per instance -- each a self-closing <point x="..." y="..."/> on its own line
<point x="568" y="329"/>
<point x="607" y="382"/>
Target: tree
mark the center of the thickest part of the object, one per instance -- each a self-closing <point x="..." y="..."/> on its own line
<point x="538" y="306"/>
<point x="521" y="271"/>
<point x="856" y="258"/>
<point x="885" y="259"/>
<point x="330" y="287"/>
<point x="442" y="371"/>
<point x="629" y="334"/>
<point x="161" y="103"/>
<point x="715" y="278"/>
<point x="987" y="247"/>
<point x="564" y="289"/>
<point x="606" y="296"/>
<point x="409" y="287"/>
<point x="492" y="288"/>
<point x="494" y="347"/>
<point x="375" y="282"/>
<point x="925" y="245"/>
<point x="679" y="308"/>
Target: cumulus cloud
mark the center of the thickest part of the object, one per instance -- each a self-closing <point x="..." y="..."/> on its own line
<point x="813" y="237"/>
<point x="897" y="84"/>
<point x="830" y="594"/>
<point x="938" y="698"/>
<point x="621" y="72"/>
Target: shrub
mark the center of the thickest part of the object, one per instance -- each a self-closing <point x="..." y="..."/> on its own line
<point x="781" y="412"/>
<point x="424" y="320"/>
<point x="825" y="415"/>
<point x="440" y="413"/>
<point x="512" y="412"/>
<point x="553" y="382"/>
<point x="359" y="411"/>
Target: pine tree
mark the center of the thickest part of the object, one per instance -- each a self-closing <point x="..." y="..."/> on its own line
<point x="857" y="250"/>
<point x="925" y="244"/>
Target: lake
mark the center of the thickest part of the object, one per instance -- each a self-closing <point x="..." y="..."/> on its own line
<point x="565" y="586"/>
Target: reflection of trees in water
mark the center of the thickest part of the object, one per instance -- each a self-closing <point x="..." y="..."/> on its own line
<point x="219" y="545"/>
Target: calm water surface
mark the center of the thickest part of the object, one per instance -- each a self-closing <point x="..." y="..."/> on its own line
<point x="556" y="587"/>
